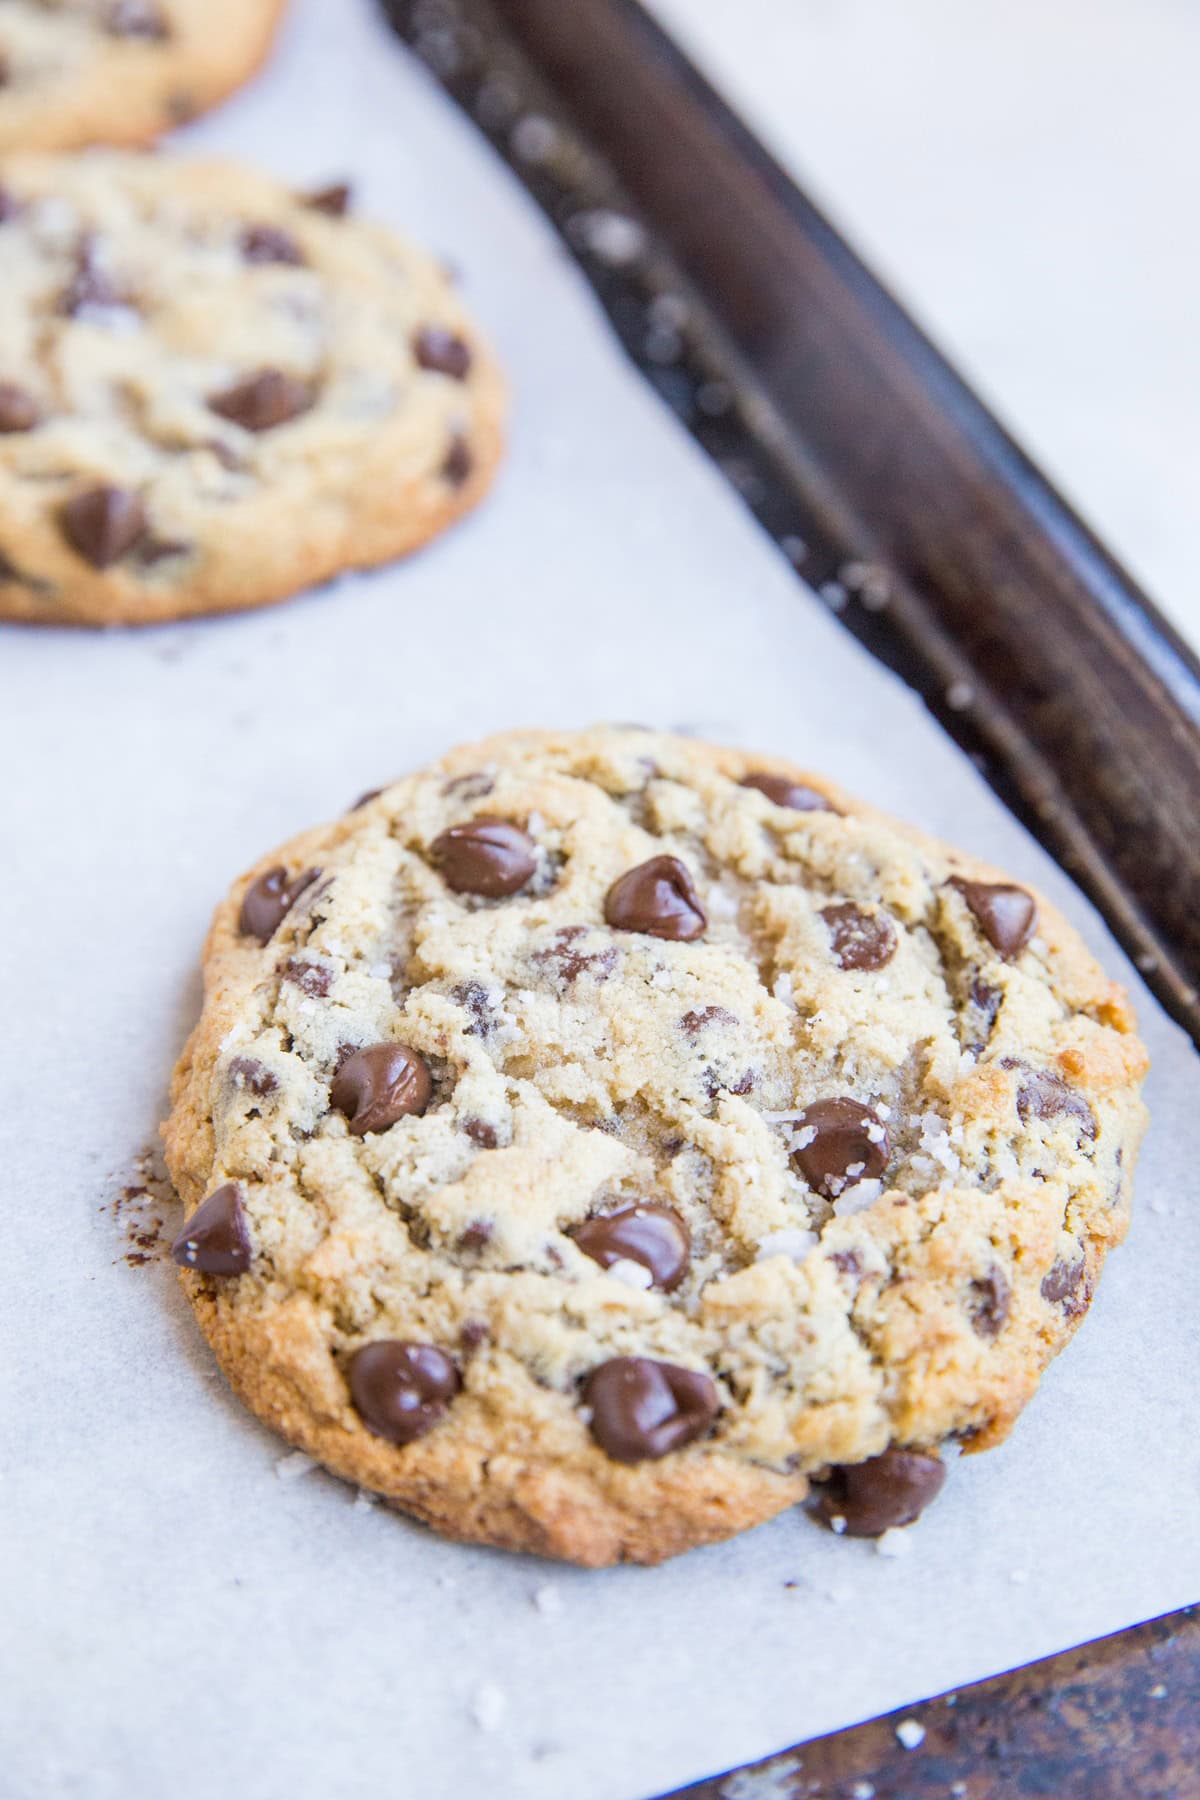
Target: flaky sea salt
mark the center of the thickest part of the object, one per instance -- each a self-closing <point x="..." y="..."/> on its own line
<point x="911" y="1734"/>
<point x="856" y="1199"/>
<point x="782" y="989"/>
<point x="611" y="236"/>
<point x="632" y="1274"/>
<point x="721" y="903"/>
<point x="789" y="1241"/>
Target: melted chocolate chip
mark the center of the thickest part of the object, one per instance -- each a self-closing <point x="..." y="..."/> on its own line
<point x="1042" y="1095"/>
<point x="881" y="1494"/>
<point x="268" y="244"/>
<point x="564" y="956"/>
<point x="991" y="1298"/>
<point x="481" y="1133"/>
<point x="847" y="1262"/>
<point x="781" y="790"/>
<point x="136" y="19"/>
<point x="334" y="201"/>
<point x="18" y="409"/>
<point x="860" y="939"/>
<point x="654" y="1236"/>
<point x="216" y="1239"/>
<point x="442" y="352"/>
<point x="1064" y="1285"/>
<point x="642" y="1409"/>
<point x="376" y="1086"/>
<point x="1006" y="915"/>
<point x="401" y="1391"/>
<point x="102" y="523"/>
<point x="693" y="1023"/>
<point x="478" y="1235"/>
<point x="658" y="897"/>
<point x="267" y="901"/>
<point x="254" y="1077"/>
<point x="90" y="286"/>
<point x="459" y="463"/>
<point x="485" y="856"/>
<point x="263" y="400"/>
<point x="478" y="1002"/>
<point x="312" y="978"/>
<point x="473" y="1333"/>
<point x="986" y="1001"/>
<point x="847" y="1137"/>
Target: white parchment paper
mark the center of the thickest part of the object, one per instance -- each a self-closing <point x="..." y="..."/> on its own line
<point x="176" y="1618"/>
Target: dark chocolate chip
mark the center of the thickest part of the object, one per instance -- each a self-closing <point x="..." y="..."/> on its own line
<point x="312" y="978"/>
<point x="566" y="958"/>
<point x="847" y="1262"/>
<point x="1064" y="1285"/>
<point x="986" y="1001"/>
<point x="860" y="939"/>
<point x="334" y="200"/>
<point x="654" y="1236"/>
<point x="263" y="400"/>
<point x="693" y="1023"/>
<point x="991" y="1299"/>
<point x="268" y="244"/>
<point x="1006" y="915"/>
<point x="366" y="799"/>
<point x="1042" y="1095"/>
<point x="487" y="856"/>
<point x="102" y="523"/>
<point x="267" y="900"/>
<point x="481" y="1133"/>
<point x="376" y="1086"/>
<point x="459" y="463"/>
<point x="797" y="796"/>
<point x="135" y="19"/>
<point x="642" y="1409"/>
<point x="19" y="410"/>
<point x="253" y="1076"/>
<point x="881" y="1494"/>
<point x="216" y="1239"/>
<point x="478" y="1002"/>
<point x="151" y="552"/>
<point x="473" y="1333"/>
<point x="401" y="1391"/>
<point x="658" y="897"/>
<point x="847" y="1137"/>
<point x="90" y="286"/>
<point x="476" y="785"/>
<point x="478" y="1234"/>
<point x="442" y="352"/>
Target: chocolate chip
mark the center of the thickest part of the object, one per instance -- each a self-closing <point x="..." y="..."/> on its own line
<point x="459" y="462"/>
<point x="90" y="286"/>
<point x="248" y="1073"/>
<point x="216" y="1239"/>
<point x="135" y="19"/>
<point x="986" y="1000"/>
<point x="847" y="1137"/>
<point x="693" y="1023"/>
<point x="476" y="785"/>
<point x="1007" y="915"/>
<point x="860" y="939"/>
<point x="19" y="410"/>
<point x="478" y="1002"/>
<point x="642" y="1409"/>
<point x="312" y="978"/>
<point x="442" y="352"/>
<point x="269" y="899"/>
<point x="10" y="206"/>
<point x="567" y="959"/>
<point x="485" y="856"/>
<point x="263" y="400"/>
<point x="102" y="523"/>
<point x="366" y="799"/>
<point x="334" y="200"/>
<point x="376" y="1086"/>
<point x="881" y="1494"/>
<point x="478" y="1234"/>
<point x="151" y="552"/>
<point x="991" y="1298"/>
<point x="401" y="1391"/>
<point x="658" y="897"/>
<point x="1064" y="1285"/>
<point x="654" y="1236"/>
<point x="783" y="791"/>
<point x="481" y="1133"/>
<point x="847" y="1262"/>
<point x="1042" y="1095"/>
<point x="473" y="1333"/>
<point x="268" y="244"/>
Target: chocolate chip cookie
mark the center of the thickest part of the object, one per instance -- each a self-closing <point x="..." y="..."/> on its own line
<point x="597" y="1143"/>
<point x="76" y="72"/>
<point x="214" y="391"/>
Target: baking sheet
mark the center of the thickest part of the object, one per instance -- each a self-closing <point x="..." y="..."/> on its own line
<point x="184" y="1608"/>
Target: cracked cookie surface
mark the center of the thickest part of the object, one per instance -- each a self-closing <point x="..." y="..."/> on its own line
<point x="78" y="72"/>
<point x="589" y="1140"/>
<point x="215" y="391"/>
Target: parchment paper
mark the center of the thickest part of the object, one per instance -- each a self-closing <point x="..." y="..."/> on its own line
<point x="177" y="1618"/>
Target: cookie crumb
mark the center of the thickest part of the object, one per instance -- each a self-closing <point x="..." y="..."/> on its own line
<point x="896" y="1542"/>
<point x="290" y="1468"/>
<point x="548" y="1600"/>
<point x="910" y="1734"/>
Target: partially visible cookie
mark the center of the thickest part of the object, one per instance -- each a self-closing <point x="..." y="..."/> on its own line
<point x="77" y="72"/>
<point x="215" y="391"/>
<point x="593" y="1140"/>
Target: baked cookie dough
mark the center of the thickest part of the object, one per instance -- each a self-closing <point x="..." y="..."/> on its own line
<point x="593" y="1141"/>
<point x="215" y="391"/>
<point x="76" y="72"/>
